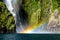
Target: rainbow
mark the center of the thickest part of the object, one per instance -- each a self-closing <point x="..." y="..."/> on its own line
<point x="29" y="29"/>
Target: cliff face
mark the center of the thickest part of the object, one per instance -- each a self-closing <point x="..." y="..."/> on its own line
<point x="54" y="23"/>
<point x="32" y="11"/>
<point x="7" y="23"/>
<point x="37" y="10"/>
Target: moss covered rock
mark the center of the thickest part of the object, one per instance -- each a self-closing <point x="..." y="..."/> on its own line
<point x="37" y="10"/>
<point x="6" y="20"/>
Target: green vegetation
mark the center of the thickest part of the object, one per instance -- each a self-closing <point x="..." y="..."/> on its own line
<point x="37" y="10"/>
<point x="55" y="5"/>
<point x="32" y="7"/>
<point x="6" y="20"/>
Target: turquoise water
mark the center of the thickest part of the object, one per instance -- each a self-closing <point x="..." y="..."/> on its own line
<point x="29" y="36"/>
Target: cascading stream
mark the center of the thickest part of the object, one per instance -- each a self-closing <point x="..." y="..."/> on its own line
<point x="14" y="7"/>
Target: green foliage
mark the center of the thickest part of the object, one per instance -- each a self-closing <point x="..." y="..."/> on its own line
<point x="6" y="19"/>
<point x="37" y="10"/>
<point x="33" y="8"/>
<point x="55" y="5"/>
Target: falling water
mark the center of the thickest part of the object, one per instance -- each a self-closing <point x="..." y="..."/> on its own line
<point x="14" y="6"/>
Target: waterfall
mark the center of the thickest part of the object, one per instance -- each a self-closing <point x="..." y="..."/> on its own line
<point x="14" y="6"/>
